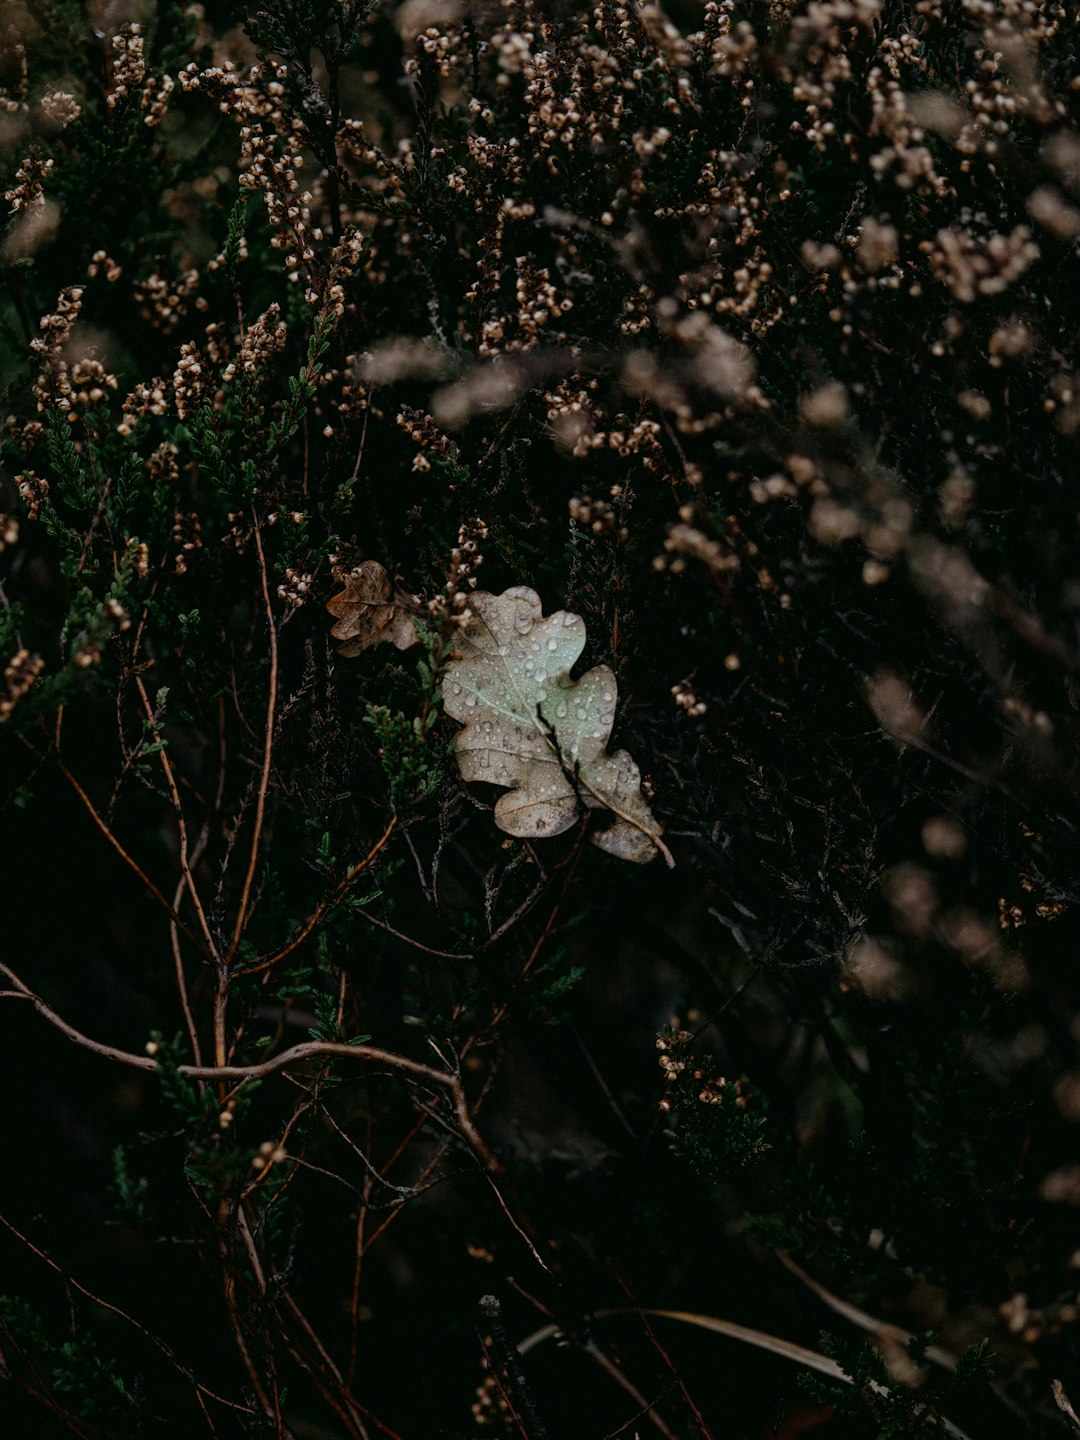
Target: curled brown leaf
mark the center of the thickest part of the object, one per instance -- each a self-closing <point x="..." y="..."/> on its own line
<point x="370" y="609"/>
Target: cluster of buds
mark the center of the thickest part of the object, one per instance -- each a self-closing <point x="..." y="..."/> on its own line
<point x="19" y="674"/>
<point x="352" y="394"/>
<point x="26" y="434"/>
<point x="687" y="698"/>
<point x="344" y="260"/>
<point x="972" y="265"/>
<point x="32" y="491"/>
<point x="189" y="380"/>
<point x="128" y="64"/>
<point x="1024" y="1320"/>
<point x="80" y="384"/>
<point x="117" y="614"/>
<point x="717" y="1089"/>
<point x="440" y="47"/>
<point x="86" y="383"/>
<point x="268" y="1154"/>
<point x="537" y="301"/>
<point x="636" y="317"/>
<point x="165" y="302"/>
<point x="11" y="103"/>
<point x="673" y="1065"/>
<point x="139" y="558"/>
<point x="29" y="189"/>
<point x="61" y="107"/>
<point x="162" y="465"/>
<point x="642" y="437"/>
<point x="574" y="415"/>
<point x="186" y="536"/>
<point x="465" y="561"/>
<point x="271" y="151"/>
<point x="426" y="434"/>
<point x="240" y="532"/>
<point x="264" y="338"/>
<point x="686" y="540"/>
<point x="1012" y="915"/>
<point x="295" y="589"/>
<point x="53" y="385"/>
<point x="145" y="399"/>
<point x="579" y="427"/>
<point x="600" y="516"/>
<point x="157" y="92"/>
<point x="491" y="1409"/>
<point x="102" y="263"/>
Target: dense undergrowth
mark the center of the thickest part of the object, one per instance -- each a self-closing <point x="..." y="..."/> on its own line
<point x="748" y="332"/>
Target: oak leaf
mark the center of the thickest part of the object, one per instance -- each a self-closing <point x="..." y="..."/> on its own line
<point x="370" y="609"/>
<point x="543" y="736"/>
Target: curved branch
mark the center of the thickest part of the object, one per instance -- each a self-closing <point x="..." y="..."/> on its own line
<point x="446" y="1080"/>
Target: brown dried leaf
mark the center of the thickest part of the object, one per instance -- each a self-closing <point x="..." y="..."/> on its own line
<point x="543" y="736"/>
<point x="369" y="609"/>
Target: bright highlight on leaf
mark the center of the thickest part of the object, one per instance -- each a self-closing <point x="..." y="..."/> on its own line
<point x="531" y="728"/>
<point x="369" y="609"/>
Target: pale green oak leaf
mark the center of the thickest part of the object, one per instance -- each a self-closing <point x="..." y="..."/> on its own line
<point x="538" y="733"/>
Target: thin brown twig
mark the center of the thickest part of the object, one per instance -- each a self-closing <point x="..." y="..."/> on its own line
<point x="268" y="745"/>
<point x="647" y="1408"/>
<point x="402" y="1148"/>
<point x="181" y="980"/>
<point x="301" y="934"/>
<point x="158" y="1343"/>
<point x="359" y="1249"/>
<point x="236" y="1324"/>
<point x="181" y="822"/>
<point x="1061" y="1400"/>
<point x="372" y="1171"/>
<point x="259" y="1274"/>
<point x="872" y="1326"/>
<point x="293" y="1120"/>
<point x="644" y="1413"/>
<point x="414" y="944"/>
<point x="336" y="1394"/>
<point x="478" y="1035"/>
<point x="669" y="1364"/>
<point x="128" y="859"/>
<point x="197" y="854"/>
<point x="38" y="1388"/>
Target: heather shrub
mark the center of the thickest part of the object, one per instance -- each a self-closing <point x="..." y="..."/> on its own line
<point x="353" y="1091"/>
